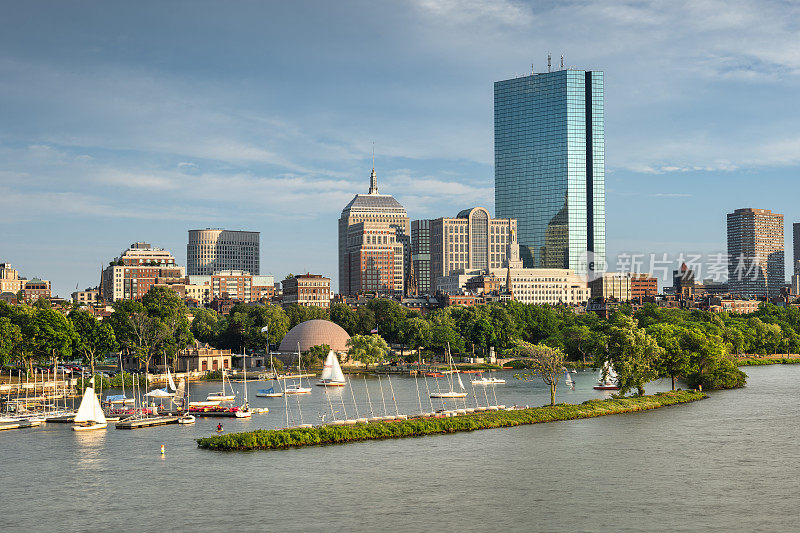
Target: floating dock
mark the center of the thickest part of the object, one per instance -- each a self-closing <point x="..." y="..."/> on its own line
<point x="147" y="422"/>
<point x="19" y="425"/>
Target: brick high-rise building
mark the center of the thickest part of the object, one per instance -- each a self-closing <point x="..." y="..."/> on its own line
<point x="307" y="290"/>
<point x="215" y="250"/>
<point x="138" y="268"/>
<point x="374" y="235"/>
<point x="643" y="285"/>
<point x="755" y="253"/>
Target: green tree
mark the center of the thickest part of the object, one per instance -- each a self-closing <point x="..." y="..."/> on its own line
<point x="55" y="335"/>
<point x="674" y="360"/>
<point x="316" y="355"/>
<point x="206" y="326"/>
<point x="367" y="349"/>
<point x="547" y="364"/>
<point x="343" y="315"/>
<point x="93" y="337"/>
<point x="634" y="354"/>
<point x="10" y="340"/>
<point x="416" y="333"/>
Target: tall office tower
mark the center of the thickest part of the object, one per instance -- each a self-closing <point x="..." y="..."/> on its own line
<point x="549" y="152"/>
<point x="373" y="240"/>
<point x="213" y="250"/>
<point x="421" y="254"/>
<point x="471" y="241"/>
<point x="755" y="252"/>
<point x="796" y="248"/>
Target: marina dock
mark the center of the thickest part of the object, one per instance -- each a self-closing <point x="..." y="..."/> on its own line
<point x="19" y="425"/>
<point x="147" y="422"/>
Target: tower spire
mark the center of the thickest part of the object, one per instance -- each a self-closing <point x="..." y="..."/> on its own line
<point x="373" y="178"/>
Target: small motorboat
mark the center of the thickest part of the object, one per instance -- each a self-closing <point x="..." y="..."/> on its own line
<point x="187" y="419"/>
<point x="220" y="397"/>
<point x="297" y="389"/>
<point x="206" y="403"/>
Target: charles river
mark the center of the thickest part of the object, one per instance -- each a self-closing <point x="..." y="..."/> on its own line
<point x="726" y="463"/>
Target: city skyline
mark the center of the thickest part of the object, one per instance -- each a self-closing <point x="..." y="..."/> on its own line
<point x="113" y="134"/>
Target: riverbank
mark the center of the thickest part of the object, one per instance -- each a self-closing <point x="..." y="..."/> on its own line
<point x="328" y="434"/>
<point x="758" y="361"/>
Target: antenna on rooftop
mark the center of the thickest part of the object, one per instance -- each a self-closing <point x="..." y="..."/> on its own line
<point x="548" y="61"/>
<point x="532" y="70"/>
<point x="562" y="61"/>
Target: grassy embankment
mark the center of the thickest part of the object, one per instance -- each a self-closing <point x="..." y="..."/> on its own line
<point x="758" y="361"/>
<point x="287" y="438"/>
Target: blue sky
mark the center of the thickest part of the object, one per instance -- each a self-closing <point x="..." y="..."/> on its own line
<point x="138" y="121"/>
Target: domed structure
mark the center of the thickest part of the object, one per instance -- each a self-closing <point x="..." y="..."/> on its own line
<point x="313" y="333"/>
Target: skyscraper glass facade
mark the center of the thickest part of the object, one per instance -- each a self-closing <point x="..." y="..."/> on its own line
<point x="550" y="167"/>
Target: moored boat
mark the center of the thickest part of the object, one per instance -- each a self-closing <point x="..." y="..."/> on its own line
<point x="332" y="375"/>
<point x="90" y="414"/>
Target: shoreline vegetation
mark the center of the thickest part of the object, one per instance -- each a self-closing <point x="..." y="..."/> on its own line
<point x="416" y="427"/>
<point x="758" y="361"/>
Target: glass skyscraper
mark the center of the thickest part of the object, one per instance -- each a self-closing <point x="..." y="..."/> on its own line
<point x="549" y="151"/>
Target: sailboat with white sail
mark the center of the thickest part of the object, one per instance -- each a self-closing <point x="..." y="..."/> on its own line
<point x="90" y="414"/>
<point x="568" y="379"/>
<point x="332" y="375"/>
<point x="452" y="393"/>
<point x="608" y="379"/>
<point x="182" y="402"/>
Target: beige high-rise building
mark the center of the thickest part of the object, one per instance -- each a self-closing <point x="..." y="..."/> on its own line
<point x="215" y="250"/>
<point x="374" y="233"/>
<point x="10" y="280"/>
<point x="471" y="241"/>
<point x="755" y="253"/>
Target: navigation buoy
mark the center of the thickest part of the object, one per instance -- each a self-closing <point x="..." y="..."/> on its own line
<point x="162" y="449"/>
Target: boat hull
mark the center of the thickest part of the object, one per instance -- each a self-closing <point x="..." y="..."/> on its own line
<point x="605" y="387"/>
<point x="89" y="428"/>
<point x="227" y="398"/>
<point x="270" y="395"/>
<point x="298" y="391"/>
<point x="449" y="395"/>
<point x="322" y="383"/>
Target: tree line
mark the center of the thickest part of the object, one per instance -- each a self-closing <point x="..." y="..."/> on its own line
<point x="690" y="344"/>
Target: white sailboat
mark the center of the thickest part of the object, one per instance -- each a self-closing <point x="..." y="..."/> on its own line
<point x="608" y="379"/>
<point x="568" y="379"/>
<point x="244" y="411"/>
<point x="332" y="375"/>
<point x="270" y="392"/>
<point x="221" y="396"/>
<point x="297" y="387"/>
<point x="182" y="392"/>
<point x="90" y="414"/>
<point x="452" y="393"/>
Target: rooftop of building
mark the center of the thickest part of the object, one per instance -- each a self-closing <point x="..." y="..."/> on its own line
<point x="373" y="201"/>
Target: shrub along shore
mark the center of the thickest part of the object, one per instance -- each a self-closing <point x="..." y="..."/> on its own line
<point x="295" y="437"/>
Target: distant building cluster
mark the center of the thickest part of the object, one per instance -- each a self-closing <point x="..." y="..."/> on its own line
<point x="546" y="244"/>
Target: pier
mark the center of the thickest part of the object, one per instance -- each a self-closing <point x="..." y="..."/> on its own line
<point x="147" y="422"/>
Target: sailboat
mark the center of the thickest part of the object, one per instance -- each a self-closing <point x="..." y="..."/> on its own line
<point x="568" y="379"/>
<point x="332" y="375"/>
<point x="297" y="387"/>
<point x="244" y="411"/>
<point x="90" y="414"/>
<point x="270" y="392"/>
<point x="221" y="396"/>
<point x="452" y="393"/>
<point x="608" y="378"/>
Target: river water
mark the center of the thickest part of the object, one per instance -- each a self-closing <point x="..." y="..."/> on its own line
<point x="725" y="463"/>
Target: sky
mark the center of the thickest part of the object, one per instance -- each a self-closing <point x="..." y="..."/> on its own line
<point x="137" y="121"/>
